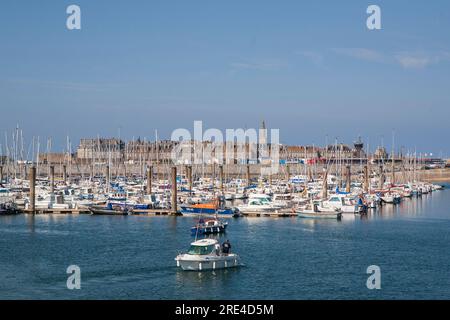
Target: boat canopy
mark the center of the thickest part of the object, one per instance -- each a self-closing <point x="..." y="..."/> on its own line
<point x="209" y="205"/>
<point x="202" y="247"/>
<point x="204" y="242"/>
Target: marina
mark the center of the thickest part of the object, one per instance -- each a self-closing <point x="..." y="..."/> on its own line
<point x="116" y="254"/>
<point x="334" y="180"/>
<point x="328" y="204"/>
<point x="290" y="193"/>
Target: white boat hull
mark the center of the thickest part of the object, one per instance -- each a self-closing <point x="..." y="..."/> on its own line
<point x="311" y="214"/>
<point x="198" y="263"/>
<point x="388" y="199"/>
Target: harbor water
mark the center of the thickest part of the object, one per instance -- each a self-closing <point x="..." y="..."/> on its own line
<point x="132" y="257"/>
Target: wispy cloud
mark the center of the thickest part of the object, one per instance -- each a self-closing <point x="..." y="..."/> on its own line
<point x="406" y="59"/>
<point x="313" y="56"/>
<point x="421" y="60"/>
<point x="361" y="54"/>
<point x="412" y="62"/>
<point x="262" y="65"/>
<point x="76" y="86"/>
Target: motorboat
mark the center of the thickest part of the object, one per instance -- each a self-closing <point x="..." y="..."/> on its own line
<point x="130" y="205"/>
<point x="240" y="195"/>
<point x="316" y="210"/>
<point x="229" y="196"/>
<point x="8" y="208"/>
<point x="256" y="205"/>
<point x="373" y="201"/>
<point x="151" y="200"/>
<point x="345" y="204"/>
<point x="5" y="193"/>
<point x="52" y="201"/>
<point x="280" y="203"/>
<point x="391" y="198"/>
<point x="210" y="208"/>
<point x="110" y="209"/>
<point x="388" y="198"/>
<point x="300" y="200"/>
<point x="206" y="254"/>
<point x="311" y="214"/>
<point x="211" y="226"/>
<point x="283" y="200"/>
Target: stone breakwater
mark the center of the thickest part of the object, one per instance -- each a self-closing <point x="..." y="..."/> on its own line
<point x="436" y="175"/>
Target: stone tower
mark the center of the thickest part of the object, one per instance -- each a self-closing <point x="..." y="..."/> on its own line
<point x="262" y="150"/>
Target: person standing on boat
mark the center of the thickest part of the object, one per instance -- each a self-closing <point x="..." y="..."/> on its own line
<point x="359" y="204"/>
<point x="217" y="247"/>
<point x="226" y="247"/>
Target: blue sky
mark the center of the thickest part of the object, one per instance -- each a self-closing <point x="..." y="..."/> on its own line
<point x="310" y="68"/>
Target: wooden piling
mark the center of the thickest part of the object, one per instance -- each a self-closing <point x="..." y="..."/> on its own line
<point x="189" y="176"/>
<point x="325" y="185"/>
<point x="1" y="174"/>
<point x="366" y="179"/>
<point x="221" y="178"/>
<point x="107" y="178"/>
<point x="65" y="174"/>
<point x="288" y="172"/>
<point x="52" y="179"/>
<point x="393" y="171"/>
<point x="382" y="178"/>
<point x="349" y="178"/>
<point x="213" y="175"/>
<point x="33" y="189"/>
<point x="310" y="174"/>
<point x="149" y="179"/>
<point x="174" y="191"/>
<point x="248" y="175"/>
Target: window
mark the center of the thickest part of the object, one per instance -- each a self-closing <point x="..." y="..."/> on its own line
<point x="200" y="250"/>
